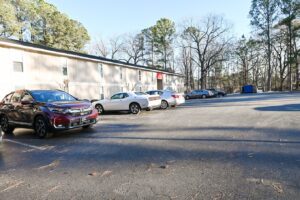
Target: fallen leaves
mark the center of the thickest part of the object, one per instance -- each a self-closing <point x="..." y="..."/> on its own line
<point x="275" y="185"/>
<point x="103" y="174"/>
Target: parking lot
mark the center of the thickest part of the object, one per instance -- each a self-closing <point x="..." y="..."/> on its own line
<point x="237" y="147"/>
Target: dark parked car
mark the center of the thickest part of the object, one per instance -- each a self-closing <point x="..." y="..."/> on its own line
<point x="217" y="93"/>
<point x="45" y="111"/>
<point x="196" y="94"/>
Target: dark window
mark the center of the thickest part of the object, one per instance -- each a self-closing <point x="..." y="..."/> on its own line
<point x="51" y="96"/>
<point x="16" y="98"/>
<point x="7" y="98"/>
<point x="140" y="75"/>
<point x="121" y="73"/>
<point x="27" y="97"/>
<point x="125" y="95"/>
<point x="18" y="67"/>
<point x="65" y="71"/>
<point x="117" y="96"/>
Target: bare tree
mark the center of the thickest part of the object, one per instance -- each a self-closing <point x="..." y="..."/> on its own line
<point x="102" y="48"/>
<point x="116" y="47"/>
<point x="133" y="48"/>
<point x="208" y="41"/>
<point x="111" y="48"/>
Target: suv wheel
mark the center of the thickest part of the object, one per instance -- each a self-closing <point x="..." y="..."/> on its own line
<point x="41" y="128"/>
<point x="6" y="128"/>
<point x="203" y="96"/>
<point x="87" y="126"/>
<point x="134" y="108"/>
<point x="187" y="97"/>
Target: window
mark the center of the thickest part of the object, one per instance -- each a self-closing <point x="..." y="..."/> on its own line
<point x="120" y="96"/>
<point x="65" y="71"/>
<point x="102" y="92"/>
<point x="6" y="99"/>
<point x="125" y="95"/>
<point x="117" y="96"/>
<point x="121" y="73"/>
<point x="100" y="68"/>
<point x="27" y="97"/>
<point x="18" y="66"/>
<point x="16" y="98"/>
<point x="51" y="96"/>
<point x="140" y="75"/>
<point x="65" y="67"/>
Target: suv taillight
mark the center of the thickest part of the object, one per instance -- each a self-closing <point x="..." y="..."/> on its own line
<point x="175" y="96"/>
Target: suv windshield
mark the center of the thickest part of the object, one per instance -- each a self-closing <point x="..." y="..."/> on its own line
<point x="51" y="96"/>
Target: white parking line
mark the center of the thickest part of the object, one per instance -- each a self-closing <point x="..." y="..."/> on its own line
<point x="25" y="145"/>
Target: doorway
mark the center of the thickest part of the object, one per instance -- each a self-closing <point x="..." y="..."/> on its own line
<point x="159" y="84"/>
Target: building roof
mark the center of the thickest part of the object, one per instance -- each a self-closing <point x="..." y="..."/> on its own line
<point x="82" y="55"/>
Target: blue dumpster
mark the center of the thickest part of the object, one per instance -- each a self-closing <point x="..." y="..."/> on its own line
<point x="249" y="89"/>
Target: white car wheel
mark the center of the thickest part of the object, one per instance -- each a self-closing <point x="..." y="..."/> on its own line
<point x="134" y="108"/>
<point x="164" y="105"/>
<point x="99" y="108"/>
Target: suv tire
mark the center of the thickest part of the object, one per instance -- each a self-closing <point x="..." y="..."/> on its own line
<point x="6" y="128"/>
<point x="41" y="127"/>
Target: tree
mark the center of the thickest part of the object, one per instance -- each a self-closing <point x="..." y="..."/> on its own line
<point x="289" y="10"/>
<point x="163" y="35"/>
<point x="209" y="42"/>
<point x="247" y="52"/>
<point x="9" y="25"/>
<point x="149" y="46"/>
<point x="134" y="48"/>
<point x="263" y="14"/>
<point x="281" y="56"/>
<point x="47" y="26"/>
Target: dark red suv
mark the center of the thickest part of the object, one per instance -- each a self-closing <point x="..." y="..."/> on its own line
<point x="45" y="111"/>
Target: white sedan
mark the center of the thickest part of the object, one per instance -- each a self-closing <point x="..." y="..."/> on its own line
<point x="128" y="101"/>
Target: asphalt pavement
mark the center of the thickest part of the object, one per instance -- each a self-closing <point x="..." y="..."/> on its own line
<point x="237" y="147"/>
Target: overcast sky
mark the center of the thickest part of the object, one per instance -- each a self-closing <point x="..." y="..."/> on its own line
<point x="107" y="18"/>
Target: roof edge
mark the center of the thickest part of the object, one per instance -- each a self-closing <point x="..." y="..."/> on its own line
<point x="43" y="47"/>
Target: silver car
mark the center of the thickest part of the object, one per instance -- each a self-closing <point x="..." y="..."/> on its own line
<point x="168" y="98"/>
<point x="196" y="94"/>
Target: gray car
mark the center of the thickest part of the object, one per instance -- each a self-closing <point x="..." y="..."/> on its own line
<point x="196" y="94"/>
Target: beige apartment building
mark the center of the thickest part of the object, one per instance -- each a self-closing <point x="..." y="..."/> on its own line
<point x="29" y="66"/>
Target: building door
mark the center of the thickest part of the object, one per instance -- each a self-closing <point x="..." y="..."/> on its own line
<point x="159" y="84"/>
<point x="159" y="77"/>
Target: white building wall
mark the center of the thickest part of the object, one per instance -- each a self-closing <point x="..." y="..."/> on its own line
<point x="84" y="78"/>
<point x="6" y="73"/>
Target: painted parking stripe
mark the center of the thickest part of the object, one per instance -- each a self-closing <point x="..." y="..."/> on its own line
<point x="25" y="145"/>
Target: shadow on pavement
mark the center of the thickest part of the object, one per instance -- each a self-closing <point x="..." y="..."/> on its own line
<point x="281" y="108"/>
<point x="254" y="98"/>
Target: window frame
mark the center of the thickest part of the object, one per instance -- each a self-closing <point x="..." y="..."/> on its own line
<point x="139" y="75"/>
<point x="14" y="67"/>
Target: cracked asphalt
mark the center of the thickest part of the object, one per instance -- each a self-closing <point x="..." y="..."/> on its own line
<point x="238" y="147"/>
